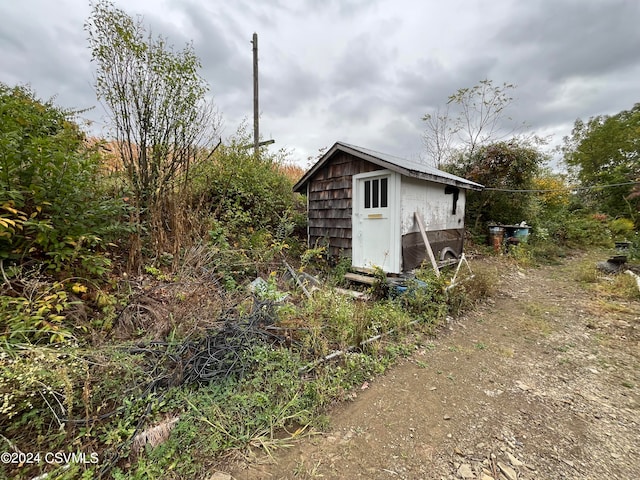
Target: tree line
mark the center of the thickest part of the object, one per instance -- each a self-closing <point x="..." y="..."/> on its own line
<point x="473" y="136"/>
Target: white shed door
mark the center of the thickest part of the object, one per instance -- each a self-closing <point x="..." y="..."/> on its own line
<point x="373" y="241"/>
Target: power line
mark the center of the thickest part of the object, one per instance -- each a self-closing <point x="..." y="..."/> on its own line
<point x="592" y="187"/>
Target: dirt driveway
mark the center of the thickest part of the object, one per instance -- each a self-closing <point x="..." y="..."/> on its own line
<point x="540" y="382"/>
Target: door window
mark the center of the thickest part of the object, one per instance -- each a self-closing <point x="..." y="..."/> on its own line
<point x="376" y="193"/>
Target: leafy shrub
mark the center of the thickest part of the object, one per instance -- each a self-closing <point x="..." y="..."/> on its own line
<point x="35" y="314"/>
<point x="51" y="208"/>
<point x="502" y="165"/>
<point x="425" y="298"/>
<point x="621" y="228"/>
<point x="246" y="192"/>
<point x="578" y="229"/>
<point x="253" y="213"/>
<point x="522" y="254"/>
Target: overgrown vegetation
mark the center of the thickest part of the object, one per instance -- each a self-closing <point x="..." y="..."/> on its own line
<point x="53" y="209"/>
<point x="81" y="396"/>
<point x="162" y="121"/>
<point x="130" y="324"/>
<point x="593" y="204"/>
<point x="503" y="168"/>
<point x="604" y="151"/>
<point x="98" y="359"/>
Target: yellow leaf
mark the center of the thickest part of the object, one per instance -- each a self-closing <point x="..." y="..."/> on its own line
<point x="5" y="222"/>
<point x="78" y="288"/>
<point x="10" y="209"/>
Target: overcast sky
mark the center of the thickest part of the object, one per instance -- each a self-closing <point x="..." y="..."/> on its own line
<point x="360" y="71"/>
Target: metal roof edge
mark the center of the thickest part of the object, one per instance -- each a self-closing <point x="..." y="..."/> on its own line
<point x="456" y="182"/>
<point x="447" y="178"/>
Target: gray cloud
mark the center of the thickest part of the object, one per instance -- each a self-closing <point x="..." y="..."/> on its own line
<point x="357" y="70"/>
<point x="286" y="94"/>
<point x="32" y="54"/>
<point x="342" y="8"/>
<point x="575" y="38"/>
<point x="359" y="67"/>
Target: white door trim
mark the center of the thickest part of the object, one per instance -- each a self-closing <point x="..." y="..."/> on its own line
<point x="394" y="263"/>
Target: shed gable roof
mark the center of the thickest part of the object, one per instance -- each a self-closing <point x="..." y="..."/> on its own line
<point x="396" y="164"/>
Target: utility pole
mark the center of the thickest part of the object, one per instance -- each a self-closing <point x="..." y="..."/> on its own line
<point x="256" y="132"/>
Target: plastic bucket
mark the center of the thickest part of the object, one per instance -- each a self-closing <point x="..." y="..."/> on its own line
<point x="522" y="233"/>
<point x="496" y="237"/>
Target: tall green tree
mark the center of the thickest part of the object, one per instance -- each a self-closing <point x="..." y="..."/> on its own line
<point x="605" y="150"/>
<point x="157" y="100"/>
<point x="511" y="165"/>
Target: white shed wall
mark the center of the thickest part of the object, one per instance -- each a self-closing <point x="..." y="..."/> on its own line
<point x="429" y="199"/>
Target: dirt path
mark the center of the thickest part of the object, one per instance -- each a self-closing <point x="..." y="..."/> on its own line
<point x="541" y="382"/>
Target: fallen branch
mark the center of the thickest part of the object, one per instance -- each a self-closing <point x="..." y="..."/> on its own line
<point x="296" y="278"/>
<point x="339" y="353"/>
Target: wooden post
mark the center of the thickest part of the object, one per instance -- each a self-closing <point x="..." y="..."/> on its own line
<point x="256" y="133"/>
<point x="426" y="243"/>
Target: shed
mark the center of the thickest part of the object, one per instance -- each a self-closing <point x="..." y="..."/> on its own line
<point x="362" y="203"/>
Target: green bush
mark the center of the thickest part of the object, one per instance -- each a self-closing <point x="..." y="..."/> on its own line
<point x="253" y="213"/>
<point x="511" y="165"/>
<point x="575" y="229"/>
<point x="51" y="207"/>
<point x="425" y="298"/>
<point x="248" y="192"/>
<point x="621" y="228"/>
<point x="37" y="314"/>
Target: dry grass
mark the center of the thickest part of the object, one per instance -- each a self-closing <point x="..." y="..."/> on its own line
<point x="292" y="172"/>
<point x="506" y="352"/>
<point x="586" y="272"/>
<point x="601" y="305"/>
<point x="485" y="282"/>
<point x="154" y="436"/>
<point x="624" y="287"/>
<point x="537" y="318"/>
